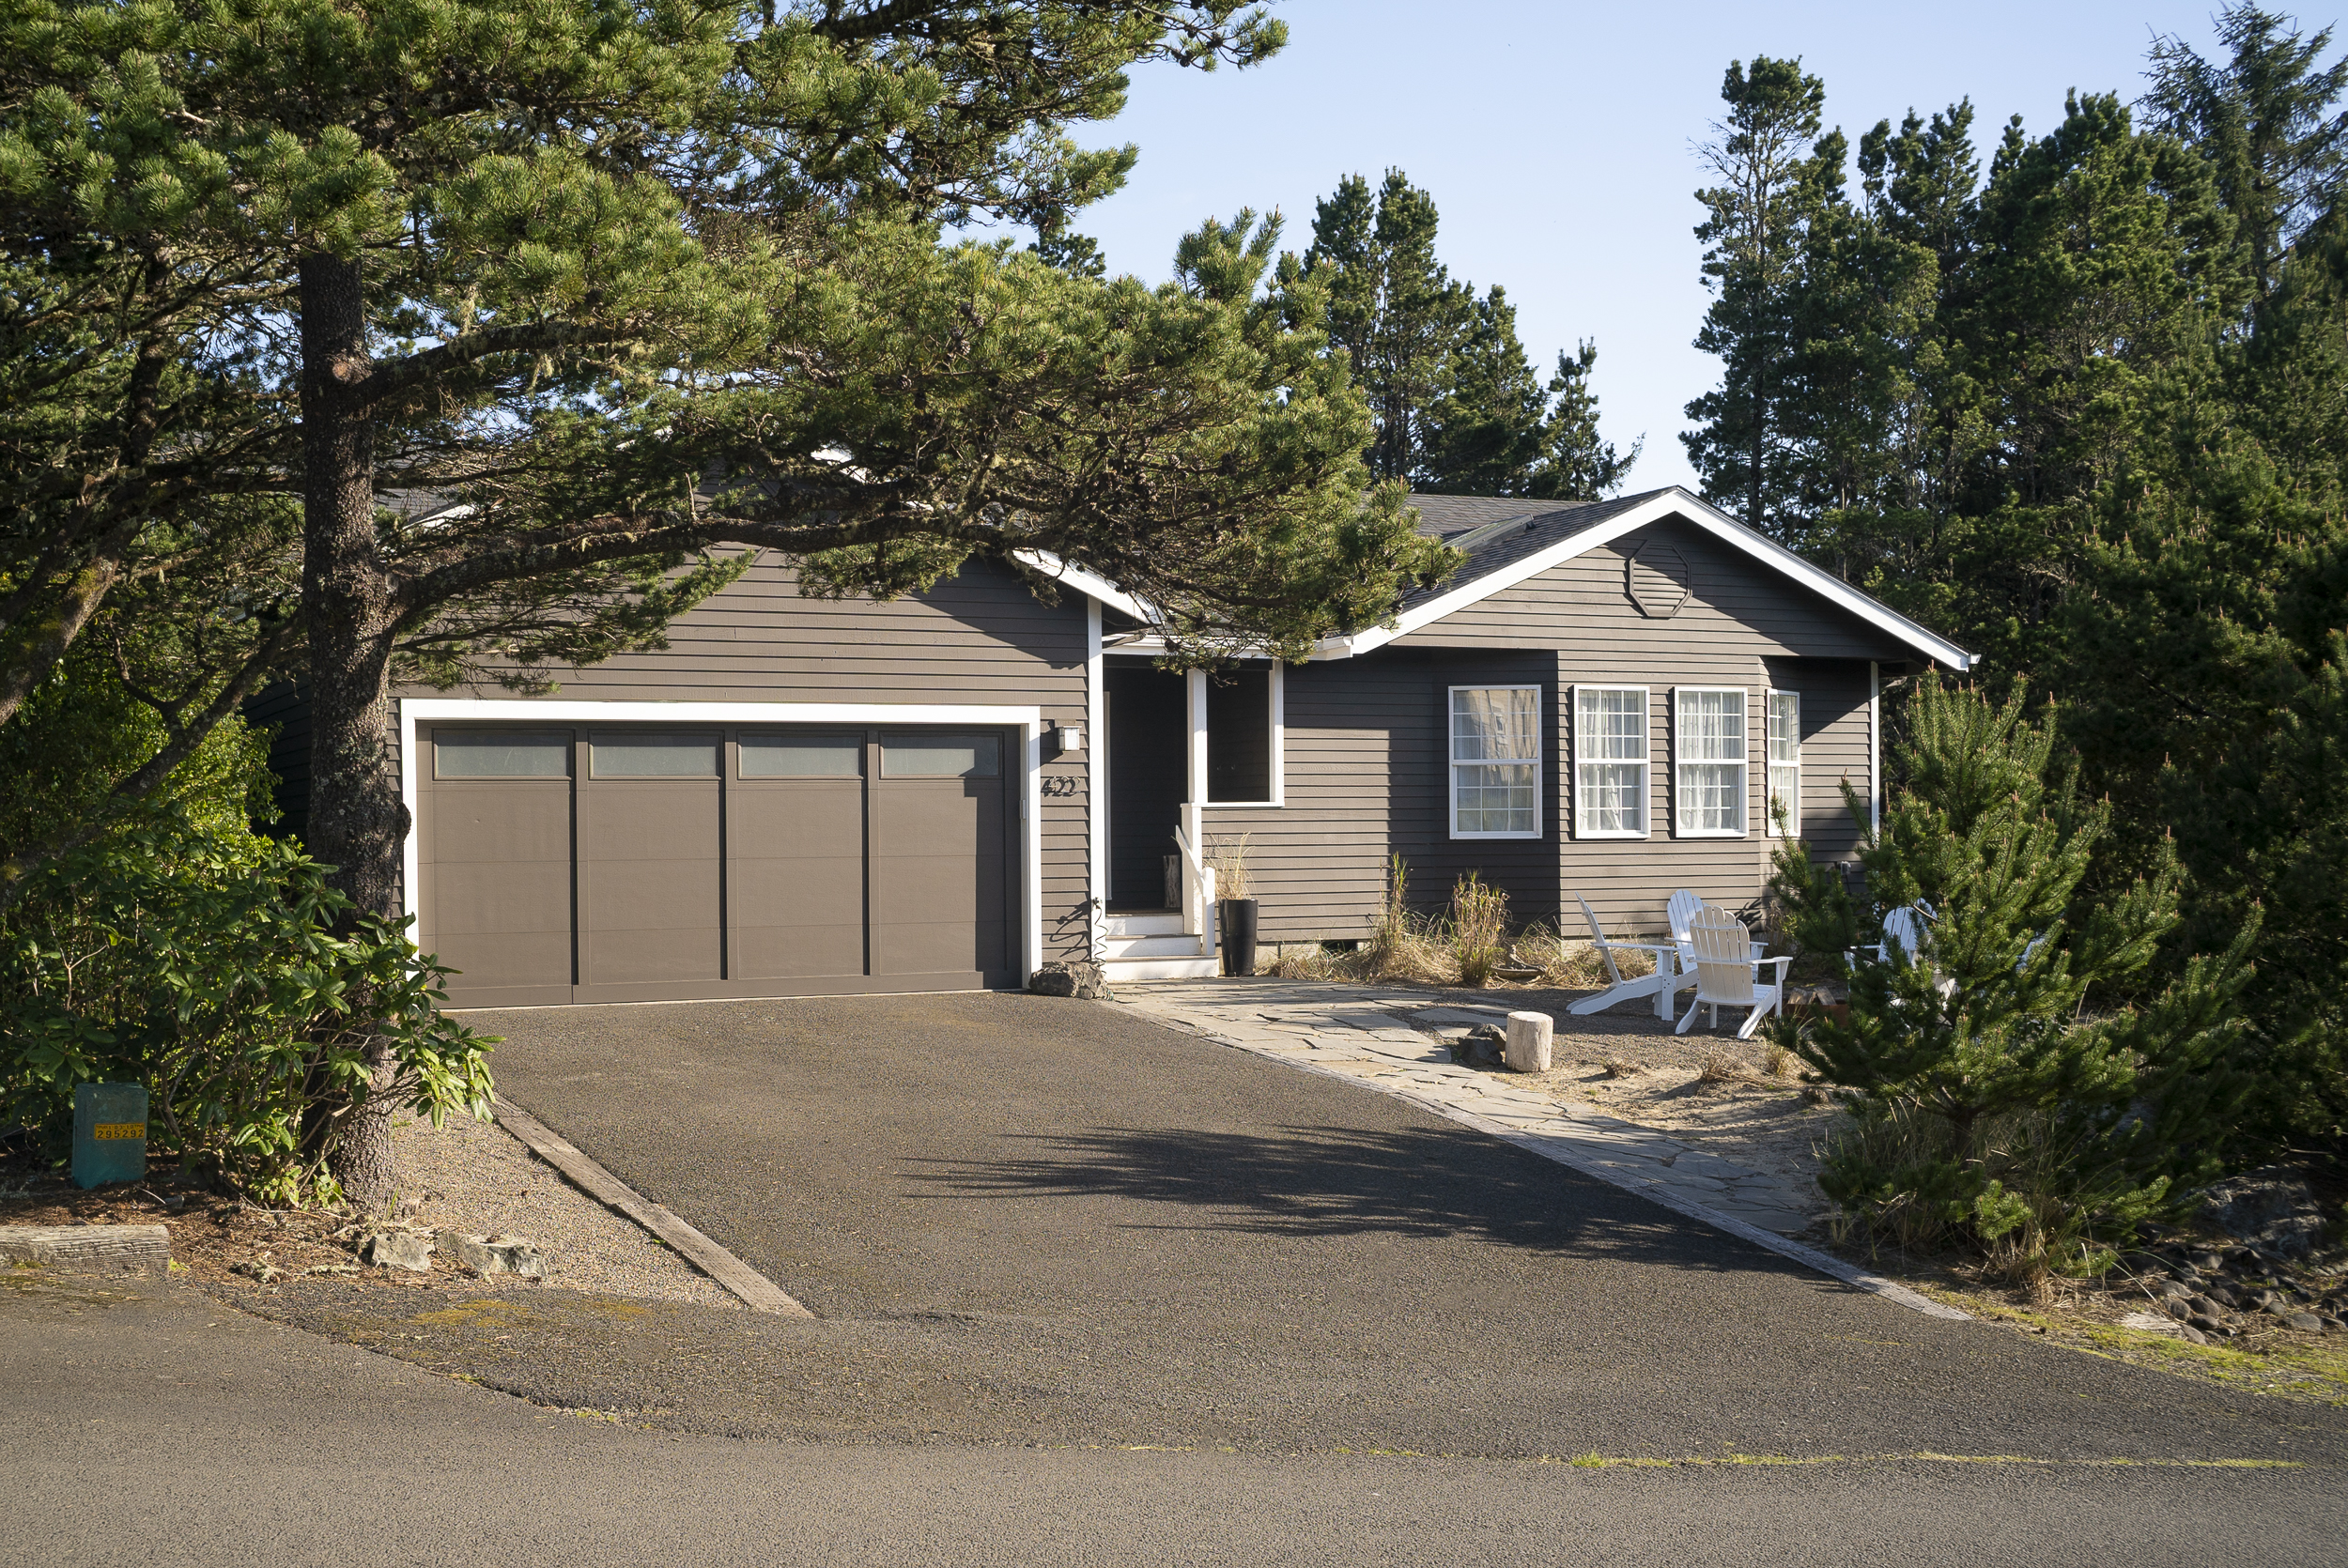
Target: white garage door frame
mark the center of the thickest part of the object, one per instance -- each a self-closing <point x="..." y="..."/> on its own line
<point x="416" y="711"/>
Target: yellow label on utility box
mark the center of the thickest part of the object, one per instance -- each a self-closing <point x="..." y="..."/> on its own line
<point x="120" y="1130"/>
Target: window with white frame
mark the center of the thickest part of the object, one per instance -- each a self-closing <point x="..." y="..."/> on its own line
<point x="1784" y="765"/>
<point x="1610" y="761"/>
<point x="1708" y="742"/>
<point x="1495" y="761"/>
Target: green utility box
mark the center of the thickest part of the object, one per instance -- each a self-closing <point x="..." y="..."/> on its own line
<point x="109" y="1132"/>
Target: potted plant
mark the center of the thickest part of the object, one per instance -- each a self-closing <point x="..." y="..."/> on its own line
<point x="1234" y="910"/>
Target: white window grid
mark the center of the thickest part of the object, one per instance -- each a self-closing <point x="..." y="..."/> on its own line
<point x="1522" y="776"/>
<point x="1611" y="761"/>
<point x="1710" y="766"/>
<point x="1784" y="778"/>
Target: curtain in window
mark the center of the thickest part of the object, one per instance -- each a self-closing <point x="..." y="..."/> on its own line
<point x="1496" y="725"/>
<point x="1711" y="738"/>
<point x="1610" y="741"/>
<point x="1495" y="760"/>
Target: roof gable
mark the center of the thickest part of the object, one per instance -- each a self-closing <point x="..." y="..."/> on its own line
<point x="1508" y="540"/>
<point x="1504" y="551"/>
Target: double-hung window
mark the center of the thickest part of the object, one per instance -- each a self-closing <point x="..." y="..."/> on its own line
<point x="1495" y="761"/>
<point x="1784" y="765"/>
<point x="1708" y="736"/>
<point x="1610" y="761"/>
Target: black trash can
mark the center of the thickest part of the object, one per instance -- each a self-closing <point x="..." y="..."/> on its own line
<point x="1237" y="919"/>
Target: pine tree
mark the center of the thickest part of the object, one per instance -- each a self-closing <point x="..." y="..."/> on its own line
<point x="624" y="288"/>
<point x="2263" y="120"/>
<point x="1460" y="407"/>
<point x="1771" y="182"/>
<point x="1577" y="463"/>
<point x="1485" y="430"/>
<point x="1392" y="307"/>
<point x="2005" y="1090"/>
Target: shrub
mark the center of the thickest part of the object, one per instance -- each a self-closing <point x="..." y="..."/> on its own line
<point x="1992" y="1105"/>
<point x="1479" y="928"/>
<point x="185" y="951"/>
<point x="216" y="978"/>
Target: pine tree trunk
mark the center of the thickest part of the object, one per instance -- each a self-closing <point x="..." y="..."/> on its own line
<point x="358" y="822"/>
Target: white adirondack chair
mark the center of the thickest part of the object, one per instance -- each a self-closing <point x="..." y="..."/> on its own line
<point x="1904" y="931"/>
<point x="1656" y="985"/>
<point x="1727" y="972"/>
<point x="1682" y="909"/>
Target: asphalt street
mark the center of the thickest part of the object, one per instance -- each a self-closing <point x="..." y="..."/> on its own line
<point x="1089" y="1291"/>
<point x="153" y="1427"/>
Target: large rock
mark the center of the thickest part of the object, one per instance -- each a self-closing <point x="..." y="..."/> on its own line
<point x="1483" y="1048"/>
<point x="1082" y="980"/>
<point x="2271" y="1209"/>
<point x="494" y="1254"/>
<point x="398" y="1249"/>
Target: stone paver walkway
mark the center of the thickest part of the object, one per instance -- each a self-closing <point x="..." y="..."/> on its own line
<point x="1368" y="1035"/>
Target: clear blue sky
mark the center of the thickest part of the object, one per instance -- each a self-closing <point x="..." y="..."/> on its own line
<point x="1557" y="141"/>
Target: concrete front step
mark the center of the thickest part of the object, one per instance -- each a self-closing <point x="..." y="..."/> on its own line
<point x="1118" y="970"/>
<point x="1175" y="945"/>
<point x="1168" y="924"/>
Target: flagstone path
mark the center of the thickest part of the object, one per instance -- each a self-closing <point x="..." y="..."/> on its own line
<point x="1383" y="1040"/>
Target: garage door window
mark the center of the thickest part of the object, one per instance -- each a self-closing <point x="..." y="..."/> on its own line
<point x="501" y="754"/>
<point x="941" y="756"/>
<point x="802" y="755"/>
<point x="622" y="755"/>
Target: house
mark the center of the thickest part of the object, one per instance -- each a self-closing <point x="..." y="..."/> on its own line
<point x="811" y="797"/>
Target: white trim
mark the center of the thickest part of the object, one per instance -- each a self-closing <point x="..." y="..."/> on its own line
<point x="1194" y="745"/>
<point x="1673" y="503"/>
<point x="1769" y="763"/>
<point x="1744" y="794"/>
<point x="1092" y="584"/>
<point x="1278" y="763"/>
<point x="1096" y="787"/>
<point x="1875" y="747"/>
<point x="416" y="711"/>
<point x="1451" y="764"/>
<point x="1647" y="762"/>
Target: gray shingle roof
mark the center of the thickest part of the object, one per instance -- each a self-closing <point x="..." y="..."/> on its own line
<point x="1495" y="531"/>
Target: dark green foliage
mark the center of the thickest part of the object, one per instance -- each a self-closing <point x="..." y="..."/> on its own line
<point x="2004" y="1092"/>
<point x="1460" y="408"/>
<point x="181" y="949"/>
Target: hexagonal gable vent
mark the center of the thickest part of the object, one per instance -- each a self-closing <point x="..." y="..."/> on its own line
<point x="1656" y="578"/>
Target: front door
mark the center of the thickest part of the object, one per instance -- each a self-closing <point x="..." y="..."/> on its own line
<point x="1148" y="751"/>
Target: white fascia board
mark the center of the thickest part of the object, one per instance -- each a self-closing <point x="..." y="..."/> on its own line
<point x="1092" y="584"/>
<point x="1671" y="503"/>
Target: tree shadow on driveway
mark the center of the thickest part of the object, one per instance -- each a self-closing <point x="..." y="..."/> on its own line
<point x="1328" y="1182"/>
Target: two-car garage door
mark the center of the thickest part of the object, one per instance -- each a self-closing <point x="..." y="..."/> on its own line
<point x="636" y="864"/>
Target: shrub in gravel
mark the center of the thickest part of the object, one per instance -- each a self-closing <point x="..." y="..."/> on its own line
<point x="2017" y="1085"/>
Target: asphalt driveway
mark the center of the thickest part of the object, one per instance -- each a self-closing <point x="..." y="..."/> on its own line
<point x="1037" y="1221"/>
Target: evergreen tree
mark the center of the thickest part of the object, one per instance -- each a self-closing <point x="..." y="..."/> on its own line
<point x="2263" y="120"/>
<point x="638" y="288"/>
<point x="1576" y="463"/>
<point x="1461" y="409"/>
<point x="1771" y="182"/>
<point x="2004" y="1090"/>
<point x="1392" y="307"/>
<point x="1485" y="431"/>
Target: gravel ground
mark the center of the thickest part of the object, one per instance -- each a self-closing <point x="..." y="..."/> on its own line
<point x="476" y="1176"/>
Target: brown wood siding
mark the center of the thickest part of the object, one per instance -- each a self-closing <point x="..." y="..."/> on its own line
<point x="285" y="711"/>
<point x="1736" y="605"/>
<point x="978" y="638"/>
<point x="1367" y="775"/>
<point x="1367" y="755"/>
